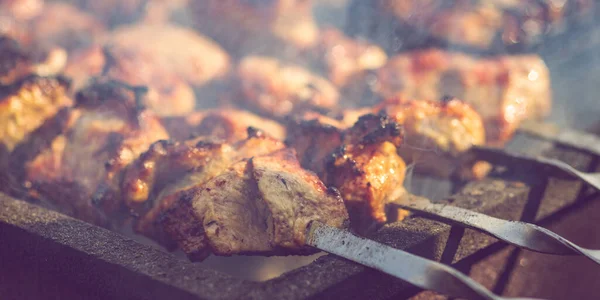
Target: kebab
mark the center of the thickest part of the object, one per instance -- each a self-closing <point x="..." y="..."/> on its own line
<point x="76" y="156"/>
<point x="505" y="90"/>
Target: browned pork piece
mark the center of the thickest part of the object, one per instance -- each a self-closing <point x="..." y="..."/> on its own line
<point x="276" y="89"/>
<point x="167" y="169"/>
<point x="504" y="90"/>
<point x="259" y="27"/>
<point x="24" y="106"/>
<point x="366" y="160"/>
<point x="258" y="206"/>
<point x="438" y="134"/>
<point x="170" y="60"/>
<point x="359" y="158"/>
<point x="75" y="159"/>
<point x="227" y="124"/>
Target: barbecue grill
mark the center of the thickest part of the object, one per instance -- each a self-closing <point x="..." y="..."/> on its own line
<point x="45" y="254"/>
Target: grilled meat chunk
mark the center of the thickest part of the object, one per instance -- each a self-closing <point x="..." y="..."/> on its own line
<point x="258" y="27"/>
<point x="226" y="124"/>
<point x="361" y="160"/>
<point x="166" y="170"/>
<point x="259" y="206"/>
<point x="438" y="134"/>
<point x="366" y="161"/>
<point x="26" y="104"/>
<point x="79" y="166"/>
<point x="504" y="90"/>
<point x="24" y="107"/>
<point x="270" y="87"/>
<point x="170" y="60"/>
<point x="367" y="170"/>
<point x="193" y="57"/>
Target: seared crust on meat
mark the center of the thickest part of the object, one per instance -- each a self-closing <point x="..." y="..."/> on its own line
<point x="368" y="176"/>
<point x="227" y="124"/>
<point x="159" y="176"/>
<point x="270" y="87"/>
<point x="437" y="134"/>
<point x="27" y="103"/>
<point x="504" y="90"/>
<point x="101" y="135"/>
<point x="260" y="206"/>
<point x="361" y="161"/>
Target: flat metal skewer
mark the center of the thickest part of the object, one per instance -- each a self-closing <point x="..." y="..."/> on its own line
<point x="500" y="156"/>
<point x="418" y="271"/>
<point x="569" y="137"/>
<point x="520" y="234"/>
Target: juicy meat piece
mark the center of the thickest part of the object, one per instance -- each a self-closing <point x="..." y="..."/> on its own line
<point x="65" y="26"/>
<point x="168" y="94"/>
<point x="226" y="124"/>
<point x="259" y="206"/>
<point x="81" y="165"/>
<point x="505" y="90"/>
<point x="270" y="87"/>
<point x="26" y="104"/>
<point x="345" y="60"/>
<point x="195" y="58"/>
<point x="437" y="134"/>
<point x="257" y="26"/>
<point x="368" y="177"/>
<point x="24" y="107"/>
<point x="170" y="60"/>
<point x="361" y="160"/>
<point x="166" y="170"/>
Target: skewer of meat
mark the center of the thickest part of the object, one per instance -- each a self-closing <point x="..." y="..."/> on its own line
<point x="77" y="156"/>
<point x="505" y="90"/>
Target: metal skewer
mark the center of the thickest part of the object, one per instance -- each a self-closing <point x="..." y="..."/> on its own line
<point x="520" y="234"/>
<point x="573" y="138"/>
<point x="501" y="156"/>
<point x="418" y="271"/>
